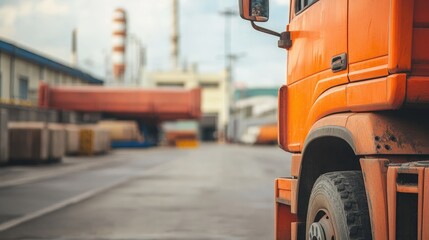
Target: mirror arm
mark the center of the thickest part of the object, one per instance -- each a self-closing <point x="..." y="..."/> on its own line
<point x="285" y="37"/>
<point x="264" y="30"/>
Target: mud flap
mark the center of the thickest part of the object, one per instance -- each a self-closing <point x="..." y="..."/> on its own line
<point x="286" y="225"/>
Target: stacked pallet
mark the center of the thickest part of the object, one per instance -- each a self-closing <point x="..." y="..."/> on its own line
<point x="72" y="139"/>
<point x="122" y="131"/>
<point x="35" y="142"/>
<point x="57" y="142"/>
<point x="93" y="140"/>
<point x="38" y="142"/>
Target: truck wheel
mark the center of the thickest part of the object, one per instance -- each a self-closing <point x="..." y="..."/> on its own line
<point x="338" y="208"/>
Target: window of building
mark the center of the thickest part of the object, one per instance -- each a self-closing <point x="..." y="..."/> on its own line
<point x="209" y="85"/>
<point x="175" y="85"/>
<point x="57" y="78"/>
<point x="23" y="87"/>
<point x="248" y="112"/>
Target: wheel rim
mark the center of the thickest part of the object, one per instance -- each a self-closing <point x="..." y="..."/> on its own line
<point x="322" y="227"/>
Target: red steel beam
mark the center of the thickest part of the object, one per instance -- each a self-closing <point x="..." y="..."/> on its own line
<point x="164" y="104"/>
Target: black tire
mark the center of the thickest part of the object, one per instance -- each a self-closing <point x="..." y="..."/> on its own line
<point x="338" y="208"/>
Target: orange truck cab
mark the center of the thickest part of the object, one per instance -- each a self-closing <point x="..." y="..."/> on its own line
<point x="354" y="113"/>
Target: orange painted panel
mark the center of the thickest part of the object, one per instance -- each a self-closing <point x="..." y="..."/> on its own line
<point x="368" y="30"/>
<point x="282" y="118"/>
<point x="332" y="101"/>
<point x="295" y="166"/>
<point x="392" y="174"/>
<point x="372" y="68"/>
<point x="421" y="185"/>
<point x="425" y="230"/>
<point x="400" y="35"/>
<point x="379" y="94"/>
<point x="283" y="216"/>
<point x="285" y="194"/>
<point x="374" y="173"/>
<point x="318" y="34"/>
<point x="420" y="51"/>
<point x="309" y="107"/>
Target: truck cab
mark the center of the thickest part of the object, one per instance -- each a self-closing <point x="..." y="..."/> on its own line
<point x="354" y="114"/>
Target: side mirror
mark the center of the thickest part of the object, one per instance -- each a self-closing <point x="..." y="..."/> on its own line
<point x="255" y="10"/>
<point x="258" y="11"/>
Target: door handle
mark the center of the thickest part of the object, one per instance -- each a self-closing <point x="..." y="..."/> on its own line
<point x="339" y="62"/>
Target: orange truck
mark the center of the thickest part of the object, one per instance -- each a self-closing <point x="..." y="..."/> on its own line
<point x="354" y="113"/>
<point x="267" y="134"/>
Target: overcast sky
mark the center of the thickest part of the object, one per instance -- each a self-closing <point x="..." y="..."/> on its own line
<point x="46" y="25"/>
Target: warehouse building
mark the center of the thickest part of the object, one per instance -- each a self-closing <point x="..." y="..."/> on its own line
<point x="21" y="70"/>
<point x="252" y="108"/>
<point x="215" y="96"/>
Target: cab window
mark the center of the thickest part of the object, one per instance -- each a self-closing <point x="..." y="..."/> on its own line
<point x="300" y="5"/>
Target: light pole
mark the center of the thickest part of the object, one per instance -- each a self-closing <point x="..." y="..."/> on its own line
<point x="228" y="14"/>
<point x="229" y="57"/>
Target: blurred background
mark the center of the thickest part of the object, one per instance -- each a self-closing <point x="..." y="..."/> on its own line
<point x="138" y="120"/>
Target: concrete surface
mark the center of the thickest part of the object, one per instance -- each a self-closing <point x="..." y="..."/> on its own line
<point x="14" y="175"/>
<point x="213" y="192"/>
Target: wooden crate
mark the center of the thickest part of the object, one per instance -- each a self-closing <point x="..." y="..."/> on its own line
<point x="57" y="142"/>
<point x="93" y="140"/>
<point x="28" y="142"/>
<point x="72" y="139"/>
<point x="122" y="130"/>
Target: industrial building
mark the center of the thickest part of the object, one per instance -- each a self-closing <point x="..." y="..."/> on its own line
<point x="21" y="70"/>
<point x="214" y="100"/>
<point x="253" y="109"/>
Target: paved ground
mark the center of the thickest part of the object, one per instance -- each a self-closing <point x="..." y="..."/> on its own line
<point x="213" y="192"/>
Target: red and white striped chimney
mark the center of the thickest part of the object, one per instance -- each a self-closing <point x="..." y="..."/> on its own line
<point x="119" y="36"/>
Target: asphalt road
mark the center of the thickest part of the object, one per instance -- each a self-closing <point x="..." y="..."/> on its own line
<point x="212" y="192"/>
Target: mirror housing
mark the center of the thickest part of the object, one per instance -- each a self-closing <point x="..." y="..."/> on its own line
<point x="254" y="10"/>
<point x="258" y="11"/>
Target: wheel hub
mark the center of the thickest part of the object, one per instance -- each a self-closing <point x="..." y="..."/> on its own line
<point x="316" y="232"/>
<point x="322" y="229"/>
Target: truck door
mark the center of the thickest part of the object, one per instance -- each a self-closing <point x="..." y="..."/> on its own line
<point x="368" y="39"/>
<point x="319" y="42"/>
<point x="319" y="33"/>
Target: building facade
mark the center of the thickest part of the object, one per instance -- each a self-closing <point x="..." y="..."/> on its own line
<point x="22" y="69"/>
<point x="215" y="96"/>
<point x="252" y="108"/>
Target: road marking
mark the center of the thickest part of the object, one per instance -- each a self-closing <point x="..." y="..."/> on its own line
<point x="74" y="200"/>
<point x="50" y="173"/>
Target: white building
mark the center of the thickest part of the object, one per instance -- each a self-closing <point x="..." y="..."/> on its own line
<point x="22" y="69"/>
<point x="248" y="115"/>
<point x="215" y="96"/>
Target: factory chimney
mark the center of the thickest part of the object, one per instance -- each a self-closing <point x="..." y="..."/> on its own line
<point x="175" y="36"/>
<point x="119" y="36"/>
<point x="74" y="48"/>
